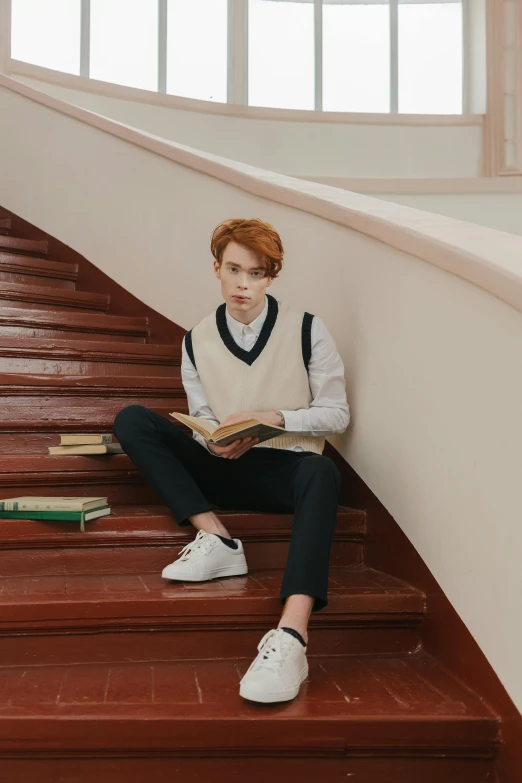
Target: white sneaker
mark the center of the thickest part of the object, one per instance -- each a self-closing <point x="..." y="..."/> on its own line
<point x="207" y="557"/>
<point x="278" y="671"/>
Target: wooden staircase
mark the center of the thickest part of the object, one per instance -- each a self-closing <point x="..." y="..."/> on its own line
<point x="109" y="673"/>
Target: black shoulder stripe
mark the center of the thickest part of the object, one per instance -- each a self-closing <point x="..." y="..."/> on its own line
<point x="190" y="350"/>
<point x="306" y="338"/>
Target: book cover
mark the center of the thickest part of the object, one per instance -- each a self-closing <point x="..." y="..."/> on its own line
<point x="87" y="450"/>
<point x="85" y="440"/>
<point x="222" y="436"/>
<point x="29" y="503"/>
<point x="58" y="516"/>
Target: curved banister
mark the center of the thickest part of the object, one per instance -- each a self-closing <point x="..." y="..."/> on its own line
<point x="489" y="259"/>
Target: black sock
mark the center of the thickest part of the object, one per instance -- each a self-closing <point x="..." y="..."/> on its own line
<point x="228" y="541"/>
<point x="295" y="634"/>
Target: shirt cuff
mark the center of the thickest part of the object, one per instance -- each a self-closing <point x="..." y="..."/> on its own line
<point x="200" y="439"/>
<point x="293" y="421"/>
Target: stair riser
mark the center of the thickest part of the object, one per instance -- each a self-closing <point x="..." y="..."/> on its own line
<point x="122" y="492"/>
<point x="71" y="405"/>
<point x="142" y="559"/>
<point x="28" y="304"/>
<point x="69" y="367"/>
<point x="29" y="247"/>
<point x="27" y="439"/>
<point x="216" y="642"/>
<point x="24" y="279"/>
<point x="254" y="769"/>
<point x="68" y="334"/>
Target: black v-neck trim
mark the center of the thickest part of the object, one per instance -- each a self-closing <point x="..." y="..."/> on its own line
<point x="248" y="357"/>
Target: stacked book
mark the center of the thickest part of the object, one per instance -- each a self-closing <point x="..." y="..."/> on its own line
<point x="86" y="445"/>
<point x="75" y="509"/>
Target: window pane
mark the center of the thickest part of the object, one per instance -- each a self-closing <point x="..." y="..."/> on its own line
<point x="124" y="42"/>
<point x="197" y="49"/>
<point x="356" y="57"/>
<point x="281" y="54"/>
<point x="47" y="33"/>
<point x="430" y="58"/>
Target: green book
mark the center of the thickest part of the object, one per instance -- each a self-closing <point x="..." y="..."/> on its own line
<point x="59" y="516"/>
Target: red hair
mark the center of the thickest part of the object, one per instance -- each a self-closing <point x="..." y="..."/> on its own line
<point x="260" y="237"/>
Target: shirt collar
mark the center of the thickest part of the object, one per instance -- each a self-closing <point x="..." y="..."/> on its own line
<point x="236" y="327"/>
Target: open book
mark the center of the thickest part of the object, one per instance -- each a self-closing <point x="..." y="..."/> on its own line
<point x="222" y="436"/>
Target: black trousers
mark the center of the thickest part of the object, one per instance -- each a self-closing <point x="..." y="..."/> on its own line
<point x="189" y="480"/>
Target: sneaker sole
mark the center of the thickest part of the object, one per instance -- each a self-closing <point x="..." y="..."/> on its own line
<point x="220" y="572"/>
<point x="274" y="696"/>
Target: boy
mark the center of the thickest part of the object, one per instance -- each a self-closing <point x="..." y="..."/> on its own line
<point x="254" y="357"/>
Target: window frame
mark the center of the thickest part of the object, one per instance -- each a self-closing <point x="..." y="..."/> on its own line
<point x="237" y="48"/>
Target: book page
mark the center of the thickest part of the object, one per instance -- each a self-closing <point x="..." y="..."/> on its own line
<point x="204" y="427"/>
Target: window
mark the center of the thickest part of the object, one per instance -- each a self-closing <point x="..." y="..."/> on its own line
<point x="375" y="56"/>
<point x="356" y="57"/>
<point x="47" y="33"/>
<point x="197" y="49"/>
<point x="281" y="54"/>
<point x="124" y="42"/>
<point x="430" y="57"/>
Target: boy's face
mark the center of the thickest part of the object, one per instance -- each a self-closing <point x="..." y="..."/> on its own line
<point x="243" y="282"/>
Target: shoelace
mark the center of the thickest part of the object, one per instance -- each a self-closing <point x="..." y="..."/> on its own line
<point x="274" y="652"/>
<point x="201" y="544"/>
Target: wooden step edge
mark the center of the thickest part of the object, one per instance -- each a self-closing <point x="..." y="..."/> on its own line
<point x="28" y="265"/>
<point x="61" y="297"/>
<point x="89" y="351"/>
<point x="212" y="609"/>
<point x="161" y="529"/>
<point x="22" y="383"/>
<point x="253" y="730"/>
<point x="38" y="247"/>
<point x="90" y="323"/>
<point x="30" y="427"/>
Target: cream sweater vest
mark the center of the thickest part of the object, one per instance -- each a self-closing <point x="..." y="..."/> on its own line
<point x="271" y="376"/>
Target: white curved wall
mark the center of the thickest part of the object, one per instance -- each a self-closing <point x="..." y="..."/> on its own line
<point x="433" y="362"/>
<point x="303" y="147"/>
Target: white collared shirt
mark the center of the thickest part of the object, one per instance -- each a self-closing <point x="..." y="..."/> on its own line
<point x="328" y="413"/>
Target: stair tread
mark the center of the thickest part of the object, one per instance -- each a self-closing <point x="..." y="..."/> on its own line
<point x="358" y="701"/>
<point x="11" y="381"/>
<point x="356" y="590"/>
<point x="16" y="244"/>
<point x="135" y="525"/>
<point x="59" y="297"/>
<point x="18" y="316"/>
<point x="84" y="349"/>
<point x="37" y="266"/>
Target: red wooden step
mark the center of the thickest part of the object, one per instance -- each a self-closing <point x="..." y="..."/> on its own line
<point x="308" y="765"/>
<point x="82" y="357"/>
<point x="111" y="475"/>
<point x="118" y="617"/>
<point x="15" y="268"/>
<point x="399" y="719"/>
<point x="21" y="432"/>
<point x="20" y="387"/>
<point x="51" y="298"/>
<point x="43" y="323"/>
<point x="33" y="247"/>
<point x="137" y="539"/>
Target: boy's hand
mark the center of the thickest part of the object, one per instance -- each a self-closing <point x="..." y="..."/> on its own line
<point x="266" y="417"/>
<point x="235" y="449"/>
